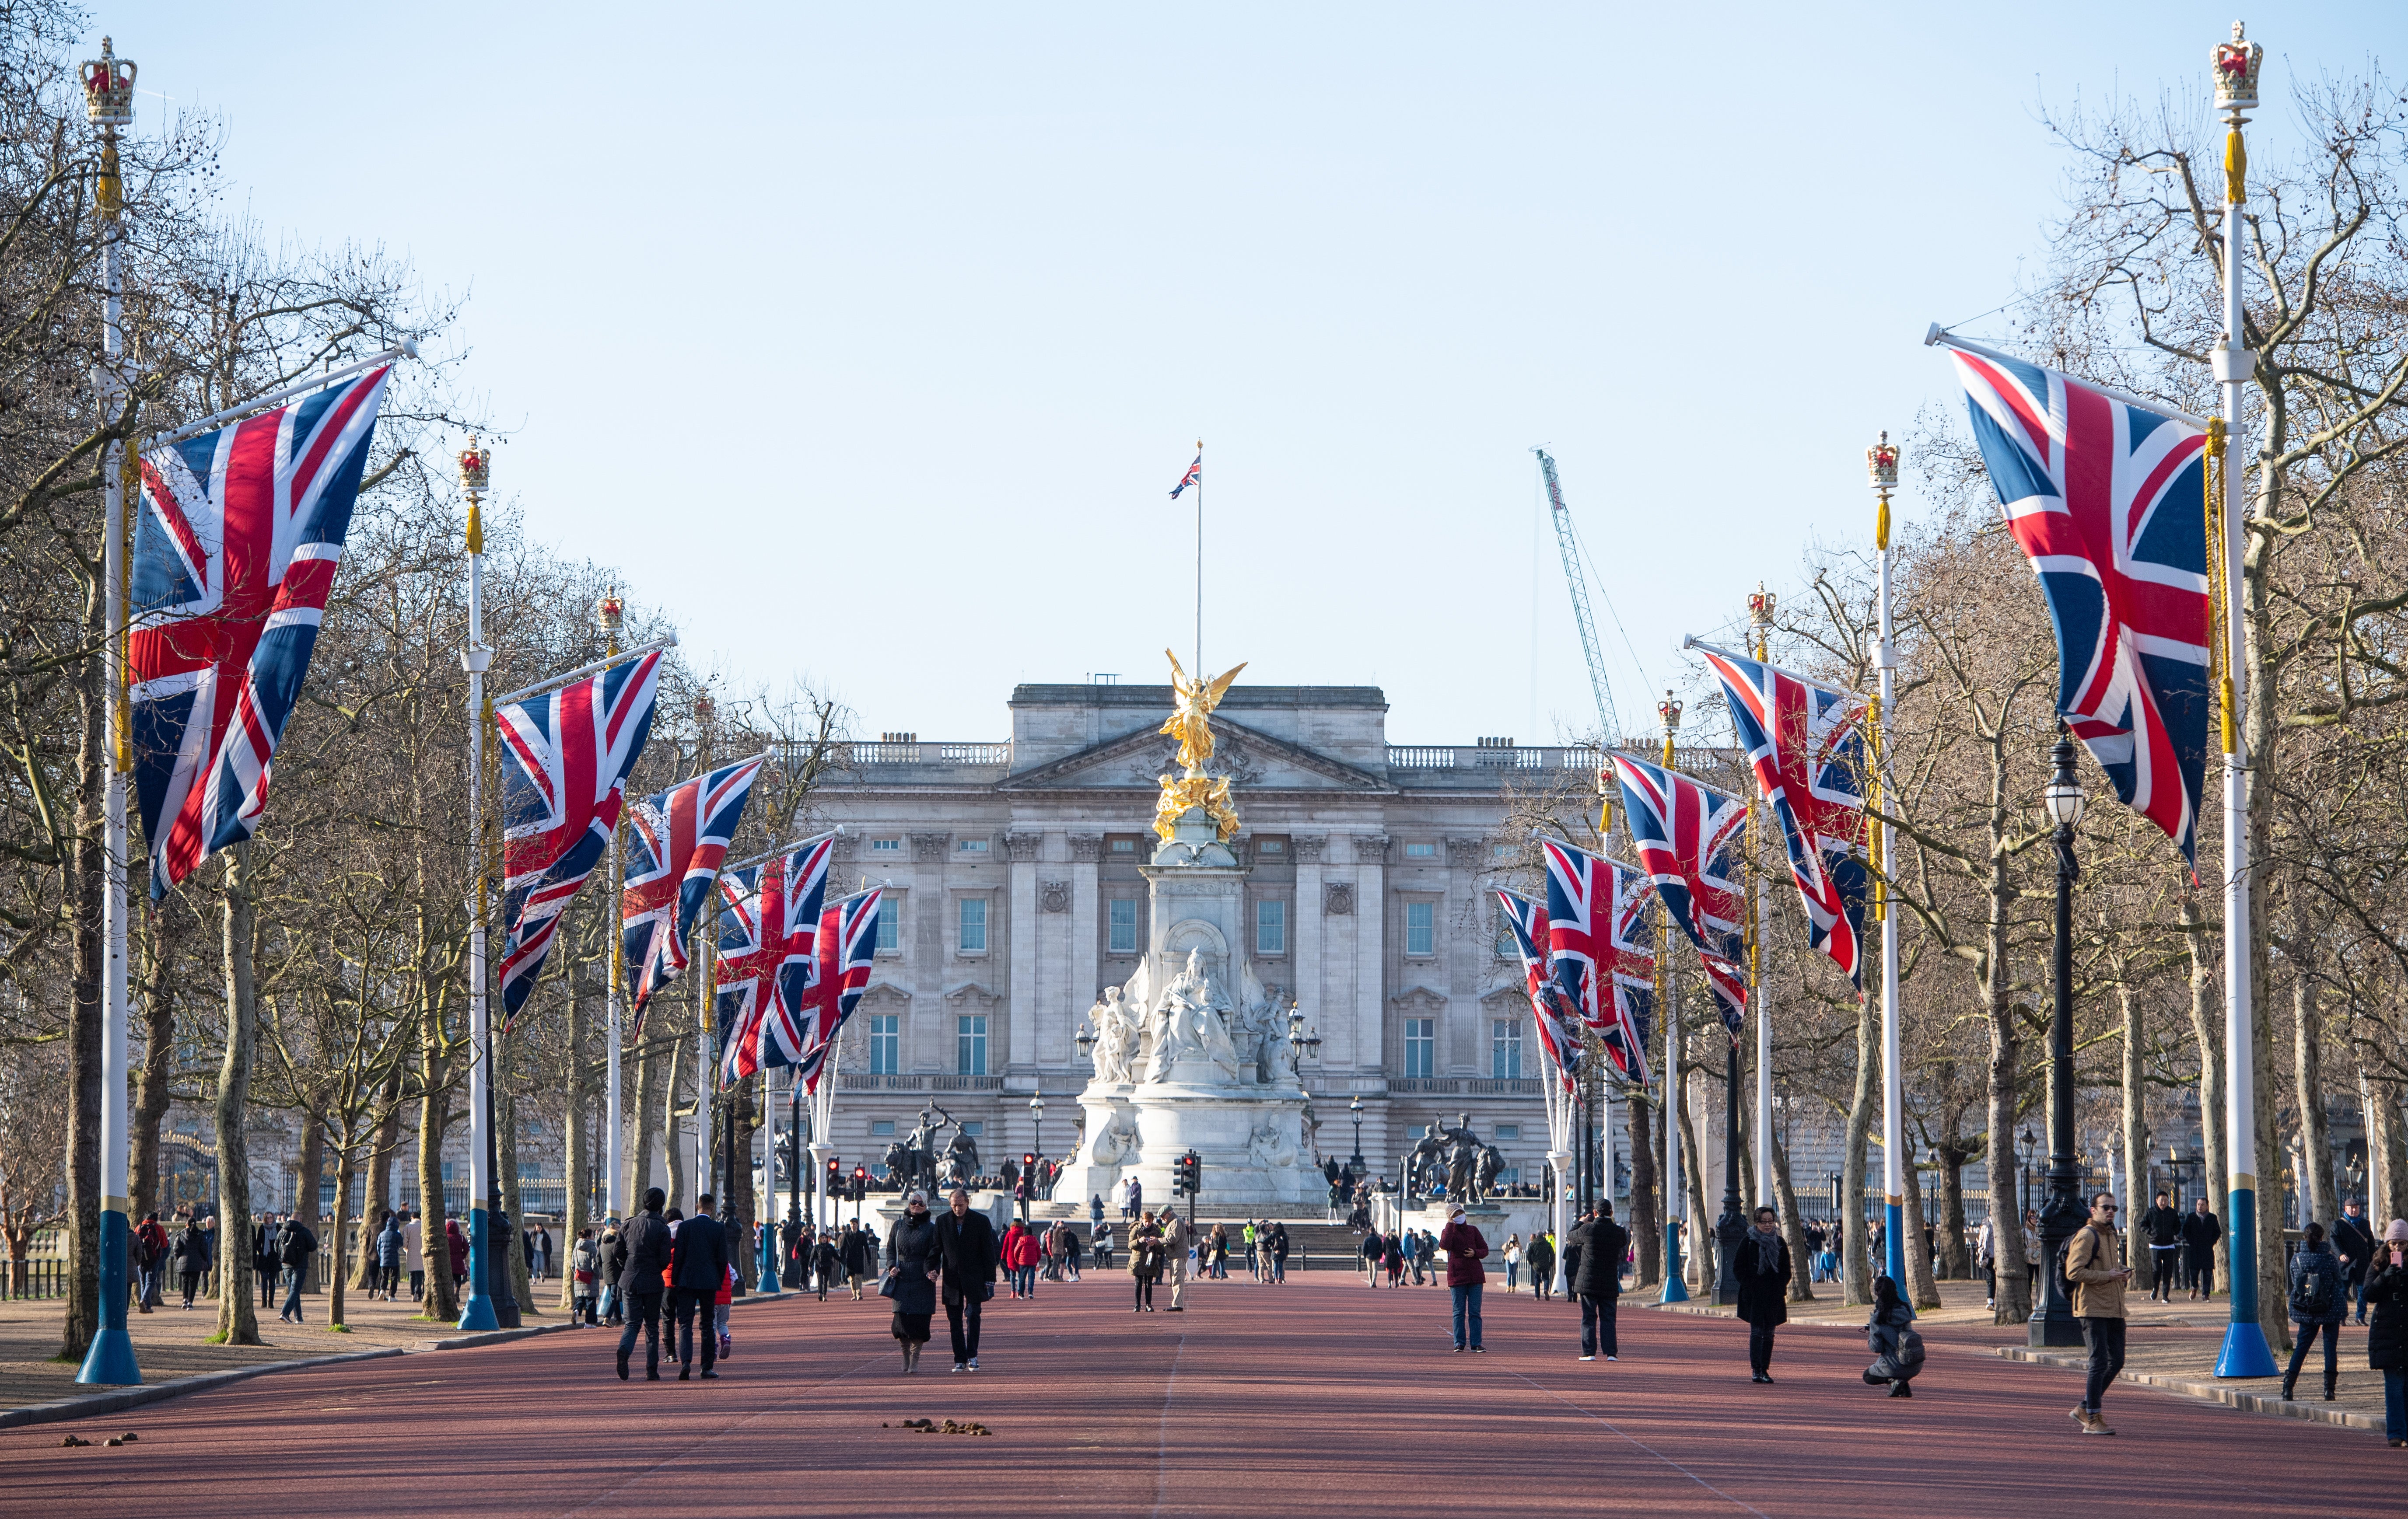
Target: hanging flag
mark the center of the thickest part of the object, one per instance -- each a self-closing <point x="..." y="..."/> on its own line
<point x="1806" y="744"/>
<point x="1687" y="835"/>
<point x="768" y="922"/>
<point x="2107" y="499"/>
<point x="569" y="752"/>
<point x="1598" y="951"/>
<point x="1195" y="477"/>
<point x="1556" y="1017"/>
<point x="845" y="948"/>
<point x="680" y="837"/>
<point x="235" y="539"/>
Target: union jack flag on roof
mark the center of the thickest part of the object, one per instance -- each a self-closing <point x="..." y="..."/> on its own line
<point x="1557" y="1019"/>
<point x="2107" y="498"/>
<point x="678" y="843"/>
<point x="235" y="539"/>
<point x="1806" y="744"/>
<point x="1599" y="950"/>
<point x="847" y="949"/>
<point x="1689" y="835"/>
<point x="769" y="925"/>
<point x="569" y="752"/>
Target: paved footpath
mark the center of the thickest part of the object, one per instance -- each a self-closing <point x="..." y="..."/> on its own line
<point x="1321" y="1398"/>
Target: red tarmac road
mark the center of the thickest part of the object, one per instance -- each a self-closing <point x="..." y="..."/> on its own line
<point x="1322" y="1397"/>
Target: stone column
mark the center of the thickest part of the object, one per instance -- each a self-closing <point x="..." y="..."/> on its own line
<point x="1019" y="1063"/>
<point x="1312" y="978"/>
<point x="1370" y="950"/>
<point x="928" y="1043"/>
<point x="1086" y="855"/>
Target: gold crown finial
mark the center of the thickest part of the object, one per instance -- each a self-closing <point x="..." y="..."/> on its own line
<point x="109" y="87"/>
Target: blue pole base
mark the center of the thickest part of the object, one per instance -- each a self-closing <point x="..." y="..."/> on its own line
<point x="108" y="1362"/>
<point x="477" y="1313"/>
<point x="2246" y="1353"/>
<point x="1676" y="1289"/>
<point x="1894" y="1245"/>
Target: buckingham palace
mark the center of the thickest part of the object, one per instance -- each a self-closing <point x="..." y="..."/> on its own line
<point x="1015" y="898"/>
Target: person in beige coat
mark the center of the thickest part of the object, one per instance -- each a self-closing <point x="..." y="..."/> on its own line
<point x="1175" y="1238"/>
<point x="2098" y="1292"/>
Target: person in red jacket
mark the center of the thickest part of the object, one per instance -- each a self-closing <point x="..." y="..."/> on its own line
<point x="149" y="1259"/>
<point x="1464" y="1247"/>
<point x="1020" y="1254"/>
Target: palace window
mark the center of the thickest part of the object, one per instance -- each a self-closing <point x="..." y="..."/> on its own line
<point x="885" y="1043"/>
<point x="1420" y="927"/>
<point x="1508" y="1131"/>
<point x="1270" y="926"/>
<point x="1505" y="1049"/>
<point x="1421" y="852"/>
<point x="1124" y="846"/>
<point x="890" y="923"/>
<point x="1420" y="1046"/>
<point x="973" y="935"/>
<point x="886" y="846"/>
<point x="970" y="846"/>
<point x="1274" y="846"/>
<point x="882" y="1128"/>
<point x="970" y="1045"/>
<point x="1123" y="925"/>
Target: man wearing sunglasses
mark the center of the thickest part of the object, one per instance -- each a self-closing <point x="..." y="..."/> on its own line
<point x="2098" y="1284"/>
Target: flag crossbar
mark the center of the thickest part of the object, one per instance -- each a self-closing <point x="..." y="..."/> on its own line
<point x="782" y="848"/>
<point x="669" y="642"/>
<point x="1941" y="337"/>
<point x="1693" y="641"/>
<point x="278" y="397"/>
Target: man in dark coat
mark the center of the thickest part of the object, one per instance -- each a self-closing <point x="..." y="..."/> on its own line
<point x="263" y="1258"/>
<point x="2352" y="1240"/>
<point x="698" y="1262"/>
<point x="1540" y="1255"/>
<point x="295" y="1245"/>
<point x="1593" y="1252"/>
<point x="2163" y="1227"/>
<point x="645" y="1242"/>
<point x="2201" y="1231"/>
<point x="967" y="1252"/>
<point x="1761" y="1264"/>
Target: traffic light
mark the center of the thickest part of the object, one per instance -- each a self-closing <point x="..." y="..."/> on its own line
<point x="860" y="1182"/>
<point x="836" y="1173"/>
<point x="1028" y="1162"/>
<point x="1187" y="1175"/>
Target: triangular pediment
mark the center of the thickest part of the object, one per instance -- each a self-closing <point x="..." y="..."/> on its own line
<point x="1253" y="761"/>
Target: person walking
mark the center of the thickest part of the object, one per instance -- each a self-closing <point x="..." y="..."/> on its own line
<point x="1889" y="1334"/>
<point x="584" y="1275"/>
<point x="1593" y="1252"/>
<point x="1145" y="1262"/>
<point x="2163" y="1227"/>
<point x="2386" y="1335"/>
<point x="413" y="1254"/>
<point x="911" y="1280"/>
<point x="263" y="1264"/>
<point x="1020" y="1260"/>
<point x="2353" y="1242"/>
<point x="1177" y="1241"/>
<point x="150" y="1251"/>
<point x="644" y="1249"/>
<point x="2201" y="1230"/>
<point x="2098" y="1284"/>
<point x="388" y="1258"/>
<point x="1278" y="1255"/>
<point x="698" y="1261"/>
<point x="855" y="1253"/>
<point x="455" y="1243"/>
<point x="966" y="1254"/>
<point x="192" y="1257"/>
<point x="295" y="1245"/>
<point x="614" y="1266"/>
<point x="1540" y="1256"/>
<point x="1465" y="1247"/>
<point x="1985" y="1260"/>
<point x="827" y="1264"/>
<point x="2319" y="1301"/>
<point x="1374" y="1250"/>
<point x="2031" y="1252"/>
<point x="1762" y="1266"/>
<point x="1133" y="1198"/>
<point x="1103" y="1241"/>
<point x="1512" y="1253"/>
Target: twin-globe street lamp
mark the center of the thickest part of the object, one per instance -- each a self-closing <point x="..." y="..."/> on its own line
<point x="2052" y="1321"/>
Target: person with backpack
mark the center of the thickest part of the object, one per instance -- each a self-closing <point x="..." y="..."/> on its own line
<point x="2319" y="1301"/>
<point x="2386" y="1334"/>
<point x="1889" y="1334"/>
<point x="294" y="1245"/>
<point x="584" y="1278"/>
<point x="150" y="1258"/>
<point x="2098" y="1284"/>
<point x="1540" y="1255"/>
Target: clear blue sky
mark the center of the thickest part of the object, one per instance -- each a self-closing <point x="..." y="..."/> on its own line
<point x="870" y="338"/>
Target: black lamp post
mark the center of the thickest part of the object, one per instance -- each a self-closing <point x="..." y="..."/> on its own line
<point x="1355" y="1162"/>
<point x="1730" y="1230"/>
<point x="2052" y="1319"/>
<point x="2024" y="1160"/>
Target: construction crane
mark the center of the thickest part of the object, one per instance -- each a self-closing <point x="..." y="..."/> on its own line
<point x="1573" y="578"/>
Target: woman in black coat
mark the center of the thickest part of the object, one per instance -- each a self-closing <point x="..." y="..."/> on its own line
<point x="1761" y="1264"/>
<point x="911" y="1277"/>
<point x="2386" y="1335"/>
<point x="193" y="1256"/>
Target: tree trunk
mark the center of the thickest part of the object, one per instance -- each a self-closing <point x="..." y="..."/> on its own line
<point x="152" y="1092"/>
<point x="646" y="1108"/>
<point x="1793" y="1227"/>
<point x="1921" y="1289"/>
<point x="442" y="1301"/>
<point x="330" y="1247"/>
<point x="2307" y="1049"/>
<point x="373" y="1197"/>
<point x="1952" y="1253"/>
<point x="2135" y="1122"/>
<point x="1701" y="1226"/>
<point x="1855" y="1242"/>
<point x="2387" y="1148"/>
<point x="669" y="1123"/>
<point x="2207" y="1034"/>
<point x="1646" y="1219"/>
<point x="506" y="1160"/>
<point x="308" y="1187"/>
<point x="237" y="1322"/>
<point x="84" y="1015"/>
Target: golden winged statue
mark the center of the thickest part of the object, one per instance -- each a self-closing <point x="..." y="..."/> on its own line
<point x="1190" y="723"/>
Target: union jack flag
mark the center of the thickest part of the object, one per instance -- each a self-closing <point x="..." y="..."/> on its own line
<point x="768" y="924"/>
<point x="1195" y="475"/>
<point x="681" y="839"/>
<point x="1554" y="1014"/>
<point x="1688" y="837"/>
<point x="1807" y="746"/>
<point x="847" y="948"/>
<point x="1597" y="948"/>
<point x="236" y="540"/>
<point x="2107" y="499"/>
<point x="570" y="750"/>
